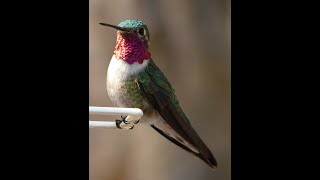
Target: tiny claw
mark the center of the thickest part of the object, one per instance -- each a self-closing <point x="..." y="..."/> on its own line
<point x="124" y="119"/>
<point x="118" y="122"/>
<point x="137" y="122"/>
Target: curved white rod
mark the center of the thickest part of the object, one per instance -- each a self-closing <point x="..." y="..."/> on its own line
<point x="134" y="113"/>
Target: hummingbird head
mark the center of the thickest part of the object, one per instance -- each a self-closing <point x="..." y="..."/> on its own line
<point x="135" y="27"/>
<point x="132" y="41"/>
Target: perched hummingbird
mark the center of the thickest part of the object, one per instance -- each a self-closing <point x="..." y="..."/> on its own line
<point x="135" y="81"/>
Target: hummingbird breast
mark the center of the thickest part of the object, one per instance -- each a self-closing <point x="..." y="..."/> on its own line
<point x="121" y="86"/>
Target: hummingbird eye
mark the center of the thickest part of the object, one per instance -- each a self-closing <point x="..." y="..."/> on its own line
<point x="141" y="31"/>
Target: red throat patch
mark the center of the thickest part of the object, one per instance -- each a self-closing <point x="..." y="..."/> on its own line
<point x="130" y="48"/>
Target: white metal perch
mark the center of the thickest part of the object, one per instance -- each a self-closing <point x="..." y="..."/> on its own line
<point x="134" y="113"/>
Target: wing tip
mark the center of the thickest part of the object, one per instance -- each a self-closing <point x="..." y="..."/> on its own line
<point x="204" y="155"/>
<point x="209" y="159"/>
<point x="212" y="163"/>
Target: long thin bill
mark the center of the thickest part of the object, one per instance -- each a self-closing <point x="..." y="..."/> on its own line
<point x="115" y="27"/>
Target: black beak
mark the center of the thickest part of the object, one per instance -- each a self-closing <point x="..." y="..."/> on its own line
<point x="116" y="27"/>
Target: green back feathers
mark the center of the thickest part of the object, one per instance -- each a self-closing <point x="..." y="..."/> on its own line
<point x="158" y="91"/>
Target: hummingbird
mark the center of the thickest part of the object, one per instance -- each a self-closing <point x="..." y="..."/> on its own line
<point x="135" y="81"/>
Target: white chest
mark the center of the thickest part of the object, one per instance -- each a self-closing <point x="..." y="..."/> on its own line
<point x="119" y="73"/>
<point x="120" y="70"/>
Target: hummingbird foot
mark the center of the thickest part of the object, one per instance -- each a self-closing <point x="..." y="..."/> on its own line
<point x="129" y="119"/>
<point x="126" y="122"/>
<point x="121" y="125"/>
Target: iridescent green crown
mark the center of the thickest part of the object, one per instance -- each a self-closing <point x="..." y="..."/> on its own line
<point x="131" y="23"/>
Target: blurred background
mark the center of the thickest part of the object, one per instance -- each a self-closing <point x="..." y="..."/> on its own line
<point x="190" y="42"/>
